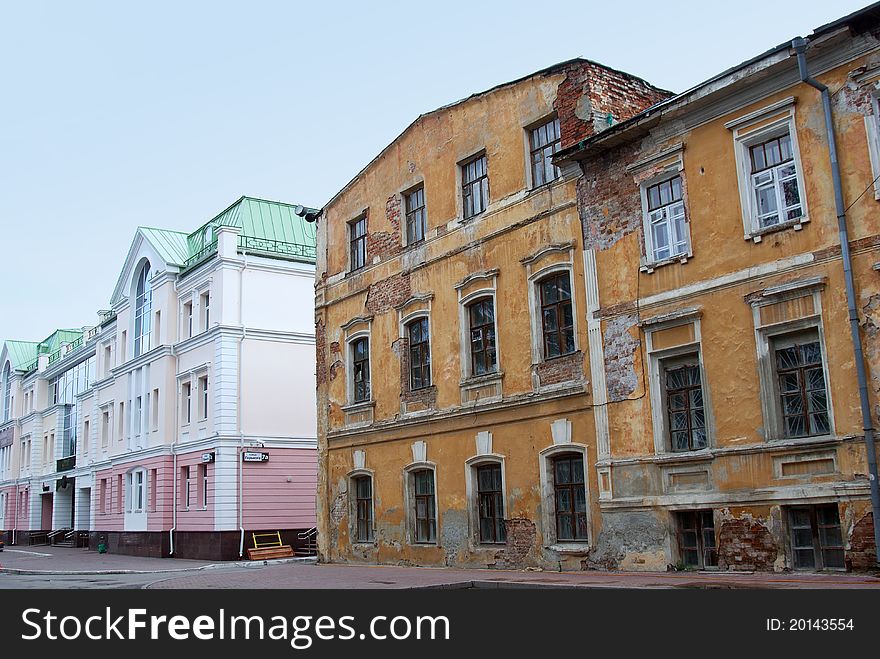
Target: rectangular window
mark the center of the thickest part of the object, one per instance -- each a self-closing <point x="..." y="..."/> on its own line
<point x="803" y="397"/>
<point x="154" y="410"/>
<point x="187" y="320"/>
<point x="186" y="486"/>
<point x="203" y="485"/>
<point x="105" y="429"/>
<point x="154" y="483"/>
<point x="120" y="494"/>
<point x="666" y="230"/>
<point x="186" y="402"/>
<point x="557" y="318"/>
<point x="122" y="432"/>
<point x="203" y="398"/>
<point x="138" y="414"/>
<point x="491" y="504"/>
<point x="363" y="487"/>
<point x="416" y="219"/>
<point x="86" y="432"/>
<point x="685" y="416"/>
<point x="544" y="141"/>
<point x="696" y="539"/>
<point x="206" y="310"/>
<point x="137" y="491"/>
<point x="816" y="538"/>
<point x="474" y="186"/>
<point x="481" y="315"/>
<point x="425" y="506"/>
<point x="571" y="497"/>
<point x="419" y="354"/>
<point x="774" y="181"/>
<point x="360" y="360"/>
<point x="102" y="493"/>
<point x="108" y="360"/>
<point x="357" y="237"/>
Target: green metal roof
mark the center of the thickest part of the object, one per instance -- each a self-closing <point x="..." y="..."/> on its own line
<point x="22" y="353"/>
<point x="53" y="342"/>
<point x="171" y="245"/>
<point x="258" y="219"/>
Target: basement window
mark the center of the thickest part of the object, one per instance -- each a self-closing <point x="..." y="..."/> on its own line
<point x="816" y="538"/>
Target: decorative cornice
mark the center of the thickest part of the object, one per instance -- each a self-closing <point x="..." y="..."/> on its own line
<point x="356" y="320"/>
<point x="644" y="163"/>
<point x="761" y="112"/>
<point x="548" y="249"/>
<point x="690" y="313"/>
<point x="477" y="276"/>
<point x="413" y="299"/>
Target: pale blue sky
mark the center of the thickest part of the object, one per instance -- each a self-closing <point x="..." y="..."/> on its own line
<point x="115" y="115"/>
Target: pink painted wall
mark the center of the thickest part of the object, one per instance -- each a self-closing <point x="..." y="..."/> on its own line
<point x="14" y="517"/>
<point x="113" y="517"/>
<point x="270" y="501"/>
<point x="200" y="516"/>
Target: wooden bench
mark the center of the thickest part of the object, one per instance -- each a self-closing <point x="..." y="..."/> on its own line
<point x="268" y="545"/>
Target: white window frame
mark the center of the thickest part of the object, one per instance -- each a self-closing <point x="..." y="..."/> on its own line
<point x="404" y="323"/>
<point x="352" y="476"/>
<point x="534" y="279"/>
<point x="765" y="335"/>
<point x="650" y="261"/>
<point x="473" y="491"/>
<point x="410" y="503"/>
<point x="657" y="359"/>
<point x="143" y="311"/>
<point x="548" y="498"/>
<point x="753" y="128"/>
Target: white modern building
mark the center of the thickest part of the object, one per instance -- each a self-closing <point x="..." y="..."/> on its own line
<point x="185" y="419"/>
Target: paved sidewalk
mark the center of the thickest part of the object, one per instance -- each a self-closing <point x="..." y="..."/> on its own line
<point x="350" y="576"/>
<point x="58" y="567"/>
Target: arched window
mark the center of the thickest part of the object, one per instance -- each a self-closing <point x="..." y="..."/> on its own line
<point x="143" y="307"/>
<point x="7" y="393"/>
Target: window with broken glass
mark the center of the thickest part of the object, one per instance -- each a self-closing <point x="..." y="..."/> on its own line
<point x="416" y="219"/>
<point x="557" y="318"/>
<point x="803" y="396"/>
<point x="696" y="539"/>
<point x="482" y="332"/>
<point x="544" y="141"/>
<point x="667" y="232"/>
<point x="360" y="358"/>
<point x="491" y="504"/>
<point x="425" y="507"/>
<point x="363" y="487"/>
<point x="685" y="415"/>
<point x="419" y="354"/>
<point x="816" y="539"/>
<point x="358" y="243"/>
<point x="774" y="180"/>
<point x="474" y="186"/>
<point x="571" y="497"/>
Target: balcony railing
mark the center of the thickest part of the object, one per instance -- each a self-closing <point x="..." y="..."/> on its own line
<point x="201" y="255"/>
<point x="294" y="251"/>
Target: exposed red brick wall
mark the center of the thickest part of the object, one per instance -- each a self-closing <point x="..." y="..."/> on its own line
<point x="521" y="535"/>
<point x="384" y="295"/>
<point x="590" y="92"/>
<point x="385" y="244"/>
<point x="862" y="553"/>
<point x="320" y="352"/>
<point x="562" y="369"/>
<point x="745" y="544"/>
<point x="427" y="395"/>
<point x="609" y="202"/>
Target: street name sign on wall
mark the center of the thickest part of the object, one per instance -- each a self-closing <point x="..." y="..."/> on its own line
<point x="253" y="456"/>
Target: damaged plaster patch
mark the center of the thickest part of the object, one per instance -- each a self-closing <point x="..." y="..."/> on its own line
<point x="454" y="534"/>
<point x="634" y="539"/>
<point x="871" y="328"/>
<point x="620" y="349"/>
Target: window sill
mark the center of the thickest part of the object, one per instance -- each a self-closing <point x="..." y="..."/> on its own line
<point x="360" y="405"/>
<point x="673" y="457"/>
<point x="477" y="380"/>
<point x="757" y="235"/>
<point x="649" y="268"/>
<point x="570" y="548"/>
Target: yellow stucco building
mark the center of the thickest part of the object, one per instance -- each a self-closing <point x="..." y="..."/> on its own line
<point x="577" y="322"/>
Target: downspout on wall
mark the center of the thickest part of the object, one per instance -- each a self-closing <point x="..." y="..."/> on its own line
<point x="800" y="45"/>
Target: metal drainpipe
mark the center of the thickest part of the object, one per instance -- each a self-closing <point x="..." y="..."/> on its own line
<point x="238" y="411"/>
<point x="800" y="45"/>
